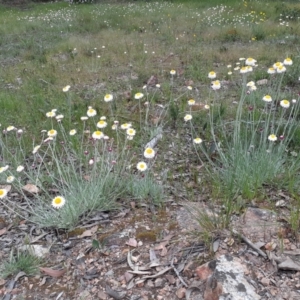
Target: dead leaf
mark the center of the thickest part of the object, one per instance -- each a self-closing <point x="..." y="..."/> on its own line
<point x="155" y="120"/>
<point x="189" y="82"/>
<point x="152" y="81"/>
<point x="180" y="293"/>
<point x="43" y="281"/>
<point x="127" y="95"/>
<point x="89" y="232"/>
<point x="132" y="242"/>
<point x="262" y="82"/>
<point x="30" y="189"/>
<point x="270" y="246"/>
<point x="164" y="251"/>
<point x="128" y="276"/>
<point x="163" y="248"/>
<point x="170" y="278"/>
<point x="53" y="273"/>
<point x="2" y="231"/>
<point x="6" y="187"/>
<point x="114" y="293"/>
<point x="168" y="237"/>
<point x="123" y="213"/>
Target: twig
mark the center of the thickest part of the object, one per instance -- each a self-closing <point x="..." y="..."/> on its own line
<point x="158" y="274"/>
<point x="177" y="273"/>
<point x="249" y="243"/>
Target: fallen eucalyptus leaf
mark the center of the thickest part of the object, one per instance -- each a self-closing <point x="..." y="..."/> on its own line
<point x="89" y="232"/>
<point x="53" y="273"/>
<point x="132" y="242"/>
<point x="30" y="189"/>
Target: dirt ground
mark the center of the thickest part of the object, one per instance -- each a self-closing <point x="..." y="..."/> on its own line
<point x="147" y="253"/>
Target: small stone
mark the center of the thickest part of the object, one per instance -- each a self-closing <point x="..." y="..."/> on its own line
<point x="170" y="278"/>
<point x="280" y="203"/>
<point x="158" y="282"/>
<point x="101" y="295"/>
<point x="30" y="189"/>
<point x="180" y="293"/>
<point x="265" y="281"/>
<point x="150" y="283"/>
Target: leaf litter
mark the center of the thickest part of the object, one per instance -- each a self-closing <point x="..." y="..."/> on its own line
<point x="122" y="266"/>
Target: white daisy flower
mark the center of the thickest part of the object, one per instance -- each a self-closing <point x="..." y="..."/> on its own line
<point x="187" y="117"/>
<point x="198" y="140"/>
<point x="20" y="169"/>
<point x="3" y="193"/>
<point x="108" y="98"/>
<point x="52" y="133"/>
<point x="285" y="103"/>
<point x="66" y="88"/>
<point x="58" y="202"/>
<point x="141" y="166"/>
<point x="149" y="153"/>
<point x="91" y="112"/>
<point x="97" y="135"/>
<point x="101" y="124"/>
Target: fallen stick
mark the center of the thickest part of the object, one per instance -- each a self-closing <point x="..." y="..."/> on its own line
<point x="157" y="274"/>
<point x="249" y="243"/>
<point x="177" y="273"/>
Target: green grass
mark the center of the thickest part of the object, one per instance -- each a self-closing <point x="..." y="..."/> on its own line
<point x="119" y="46"/>
<point x="20" y="262"/>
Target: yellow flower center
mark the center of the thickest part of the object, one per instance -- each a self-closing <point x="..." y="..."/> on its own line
<point x="57" y="200"/>
<point x="1" y="192"/>
<point x="149" y="151"/>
